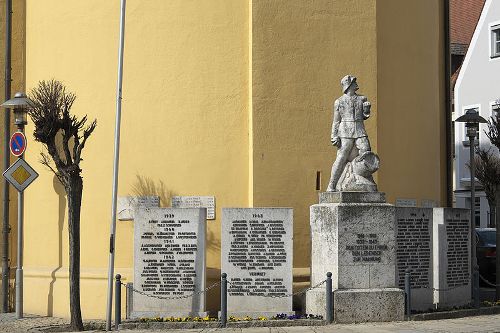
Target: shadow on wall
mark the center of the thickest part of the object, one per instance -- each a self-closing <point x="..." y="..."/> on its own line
<point x="59" y="189"/>
<point x="213" y="243"/>
<point x="145" y="187"/>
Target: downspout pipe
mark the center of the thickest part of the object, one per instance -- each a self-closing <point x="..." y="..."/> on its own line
<point x="448" y="121"/>
<point x="6" y="160"/>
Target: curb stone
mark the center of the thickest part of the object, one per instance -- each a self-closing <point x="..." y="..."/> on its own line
<point x="455" y="314"/>
<point x="215" y="324"/>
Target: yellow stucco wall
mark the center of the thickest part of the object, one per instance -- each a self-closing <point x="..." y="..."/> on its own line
<point x="235" y="98"/>
<point x="411" y="104"/>
<point x="18" y="45"/>
<point x="301" y="50"/>
<point x="184" y="122"/>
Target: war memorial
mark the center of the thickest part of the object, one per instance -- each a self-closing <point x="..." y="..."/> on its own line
<point x="368" y="246"/>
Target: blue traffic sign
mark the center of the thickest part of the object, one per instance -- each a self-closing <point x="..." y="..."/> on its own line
<point x="17" y="144"/>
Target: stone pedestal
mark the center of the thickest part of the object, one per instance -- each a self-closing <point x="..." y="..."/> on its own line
<point x="353" y="236"/>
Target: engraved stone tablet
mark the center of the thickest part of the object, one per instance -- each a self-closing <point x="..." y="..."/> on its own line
<point x="414" y="251"/>
<point x="196" y="202"/>
<point x="169" y="262"/>
<point x="426" y="203"/>
<point x="406" y="203"/>
<point x="128" y="204"/>
<point x="451" y="257"/>
<point x="257" y="255"/>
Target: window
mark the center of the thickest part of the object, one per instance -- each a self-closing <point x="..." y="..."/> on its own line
<point x="495" y="109"/>
<point x="495" y="41"/>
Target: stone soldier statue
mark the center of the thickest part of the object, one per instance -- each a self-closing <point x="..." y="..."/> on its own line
<point x="355" y="162"/>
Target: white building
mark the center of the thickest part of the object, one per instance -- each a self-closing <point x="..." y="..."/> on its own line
<point x="478" y="87"/>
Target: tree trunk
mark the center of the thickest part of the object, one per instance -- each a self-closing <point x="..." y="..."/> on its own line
<point x="74" y="192"/>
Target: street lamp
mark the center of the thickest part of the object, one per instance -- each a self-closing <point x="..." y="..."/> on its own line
<point x="472" y="119"/>
<point x="20" y="105"/>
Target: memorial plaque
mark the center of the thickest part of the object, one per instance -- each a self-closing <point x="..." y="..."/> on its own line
<point x="414" y="251"/>
<point x="196" y="202"/>
<point x="406" y="202"/>
<point x="169" y="262"/>
<point x="426" y="203"/>
<point x="257" y="255"/>
<point x="451" y="261"/>
<point x="126" y="206"/>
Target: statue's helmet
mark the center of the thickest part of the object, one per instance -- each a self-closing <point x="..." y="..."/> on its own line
<point x="346" y="82"/>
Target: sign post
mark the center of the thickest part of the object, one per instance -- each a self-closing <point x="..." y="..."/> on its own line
<point x="20" y="174"/>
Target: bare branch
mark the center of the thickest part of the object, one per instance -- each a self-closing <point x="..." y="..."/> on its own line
<point x="45" y="160"/>
<point x="86" y="134"/>
<point x="493" y="132"/>
<point x="487" y="171"/>
<point x="51" y="115"/>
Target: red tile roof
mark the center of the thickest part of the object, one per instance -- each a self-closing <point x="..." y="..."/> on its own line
<point x="464" y="15"/>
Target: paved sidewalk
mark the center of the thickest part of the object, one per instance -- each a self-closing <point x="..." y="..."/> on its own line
<point x="491" y="323"/>
<point x="30" y="323"/>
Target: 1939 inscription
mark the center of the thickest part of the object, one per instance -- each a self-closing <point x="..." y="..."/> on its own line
<point x="168" y="257"/>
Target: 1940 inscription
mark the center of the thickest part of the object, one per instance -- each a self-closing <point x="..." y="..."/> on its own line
<point x="367" y="248"/>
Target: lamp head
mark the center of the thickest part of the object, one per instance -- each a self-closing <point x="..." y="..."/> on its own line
<point x="20" y="105"/>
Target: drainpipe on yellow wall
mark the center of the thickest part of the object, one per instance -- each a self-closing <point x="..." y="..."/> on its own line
<point x="5" y="208"/>
<point x="447" y="122"/>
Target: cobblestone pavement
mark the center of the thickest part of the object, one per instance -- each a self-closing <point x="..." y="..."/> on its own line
<point x="30" y="323"/>
<point x="490" y="323"/>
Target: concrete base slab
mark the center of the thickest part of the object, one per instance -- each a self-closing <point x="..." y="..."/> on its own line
<point x="256" y="314"/>
<point x="153" y="314"/>
<point x="368" y="305"/>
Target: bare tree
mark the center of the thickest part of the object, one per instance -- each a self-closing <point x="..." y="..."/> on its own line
<point x="64" y="137"/>
<point x="487" y="167"/>
<point x="493" y="132"/>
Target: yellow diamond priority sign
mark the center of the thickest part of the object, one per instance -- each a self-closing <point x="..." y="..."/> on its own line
<point x="20" y="174"/>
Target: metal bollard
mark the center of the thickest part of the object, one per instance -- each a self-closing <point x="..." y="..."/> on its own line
<point x="408" y="291"/>
<point x="475" y="281"/>
<point x="118" y="301"/>
<point x="223" y="300"/>
<point x="329" y="298"/>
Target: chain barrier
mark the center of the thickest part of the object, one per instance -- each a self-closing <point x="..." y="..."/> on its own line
<point x="239" y="289"/>
<point x="171" y="297"/>
<point x="448" y="289"/>
<point x="488" y="282"/>
<point x="436" y="289"/>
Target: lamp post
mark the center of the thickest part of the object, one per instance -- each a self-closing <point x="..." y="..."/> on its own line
<point x="472" y="119"/>
<point x="20" y="105"/>
<point x="496" y="114"/>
